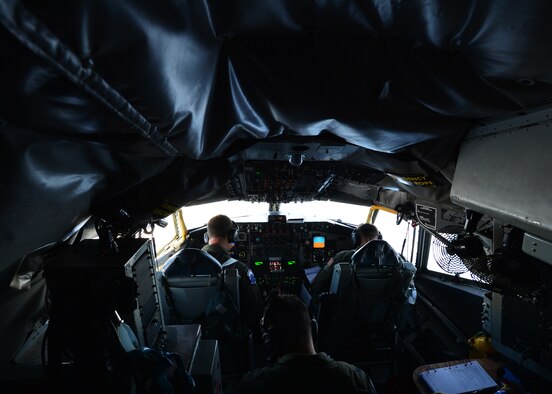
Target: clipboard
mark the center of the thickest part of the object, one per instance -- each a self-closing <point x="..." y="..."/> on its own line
<point x="468" y="377"/>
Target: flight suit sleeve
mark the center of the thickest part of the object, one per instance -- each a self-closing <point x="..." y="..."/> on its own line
<point x="360" y="379"/>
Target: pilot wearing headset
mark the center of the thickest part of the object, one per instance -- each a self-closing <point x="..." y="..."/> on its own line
<point x="220" y="238"/>
<point x="287" y="333"/>
<point x="363" y="234"/>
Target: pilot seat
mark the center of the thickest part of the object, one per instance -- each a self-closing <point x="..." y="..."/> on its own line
<point x="361" y="311"/>
<point x="200" y="290"/>
<point x="192" y="278"/>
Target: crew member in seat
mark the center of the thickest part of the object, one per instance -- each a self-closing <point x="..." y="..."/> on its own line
<point x="220" y="238"/>
<point x="287" y="333"/>
<point x="363" y="234"/>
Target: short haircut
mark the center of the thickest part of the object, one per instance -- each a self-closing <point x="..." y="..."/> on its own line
<point x="219" y="226"/>
<point x="289" y="323"/>
<point x="367" y="231"/>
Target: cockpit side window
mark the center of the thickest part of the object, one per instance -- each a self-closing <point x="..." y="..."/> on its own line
<point x="441" y="262"/>
<point x="169" y="238"/>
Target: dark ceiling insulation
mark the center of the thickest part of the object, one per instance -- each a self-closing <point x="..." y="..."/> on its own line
<point x="101" y="98"/>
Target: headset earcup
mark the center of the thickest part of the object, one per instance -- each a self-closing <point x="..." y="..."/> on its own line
<point x="206" y="237"/>
<point x="233" y="233"/>
<point x="314" y="331"/>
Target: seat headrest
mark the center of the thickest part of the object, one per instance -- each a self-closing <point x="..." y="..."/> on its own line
<point x="191" y="262"/>
<point x="376" y="253"/>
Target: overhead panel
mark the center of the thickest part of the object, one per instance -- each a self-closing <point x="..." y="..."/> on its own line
<point x="279" y="181"/>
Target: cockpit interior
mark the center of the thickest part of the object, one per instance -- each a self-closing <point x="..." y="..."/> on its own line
<point x="125" y="126"/>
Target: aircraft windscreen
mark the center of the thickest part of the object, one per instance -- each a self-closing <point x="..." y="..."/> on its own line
<point x="198" y="215"/>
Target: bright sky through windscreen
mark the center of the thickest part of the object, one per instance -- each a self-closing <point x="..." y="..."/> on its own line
<point x="196" y="216"/>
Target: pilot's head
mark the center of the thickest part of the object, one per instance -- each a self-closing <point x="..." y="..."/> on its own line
<point x="286" y="326"/>
<point x="221" y="230"/>
<point x="365" y="233"/>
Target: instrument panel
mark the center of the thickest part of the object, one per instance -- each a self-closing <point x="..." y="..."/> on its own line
<point x="301" y="244"/>
<point x="278" y="251"/>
